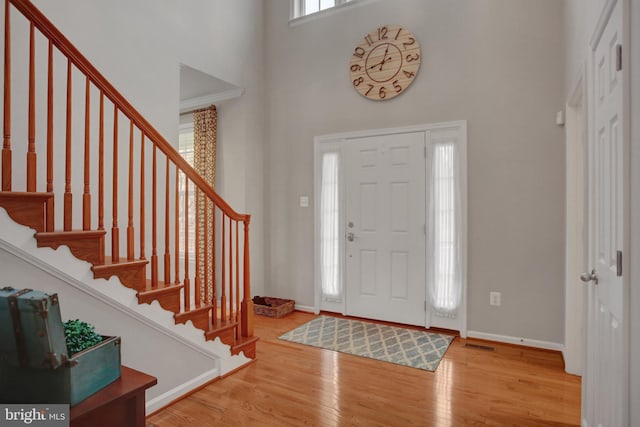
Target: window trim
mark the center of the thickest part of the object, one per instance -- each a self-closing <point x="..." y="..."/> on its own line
<point x="296" y="6"/>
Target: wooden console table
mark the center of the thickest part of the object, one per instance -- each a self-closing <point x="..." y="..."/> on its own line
<point x="121" y="403"/>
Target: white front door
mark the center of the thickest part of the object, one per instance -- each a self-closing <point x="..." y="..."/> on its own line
<point x="385" y="227"/>
<point x="605" y="384"/>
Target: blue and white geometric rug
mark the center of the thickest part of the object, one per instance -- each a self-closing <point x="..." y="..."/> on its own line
<point x="408" y="347"/>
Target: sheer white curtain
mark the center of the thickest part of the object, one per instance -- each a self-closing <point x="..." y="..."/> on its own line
<point x="445" y="223"/>
<point x="330" y="228"/>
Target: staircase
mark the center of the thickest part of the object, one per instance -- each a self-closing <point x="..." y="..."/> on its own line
<point x="180" y="244"/>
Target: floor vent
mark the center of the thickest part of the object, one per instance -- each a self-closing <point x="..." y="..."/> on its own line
<point x="479" y="347"/>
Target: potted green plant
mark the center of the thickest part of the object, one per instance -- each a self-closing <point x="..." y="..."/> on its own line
<point x="79" y="336"/>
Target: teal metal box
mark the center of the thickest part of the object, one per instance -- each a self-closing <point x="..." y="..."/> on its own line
<point x="31" y="331"/>
<point x="85" y="373"/>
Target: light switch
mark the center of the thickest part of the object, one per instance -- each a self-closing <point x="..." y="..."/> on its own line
<point x="304" y="201"/>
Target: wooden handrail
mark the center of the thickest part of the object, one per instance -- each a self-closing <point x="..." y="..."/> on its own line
<point x="81" y="63"/>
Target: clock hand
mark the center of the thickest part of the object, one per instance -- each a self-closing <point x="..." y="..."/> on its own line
<point x="384" y="58"/>
<point x="381" y="63"/>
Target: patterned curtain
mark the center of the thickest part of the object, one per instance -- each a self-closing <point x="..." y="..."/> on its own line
<point x="205" y="123"/>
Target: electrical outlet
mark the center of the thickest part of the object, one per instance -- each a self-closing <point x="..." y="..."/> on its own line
<point x="495" y="298"/>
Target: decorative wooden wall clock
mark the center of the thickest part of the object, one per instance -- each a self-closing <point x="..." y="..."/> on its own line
<point x="385" y="62"/>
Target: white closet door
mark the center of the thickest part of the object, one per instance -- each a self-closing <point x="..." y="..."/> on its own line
<point x="605" y="383"/>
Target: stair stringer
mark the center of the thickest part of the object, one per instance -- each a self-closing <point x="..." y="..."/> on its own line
<point x="107" y="303"/>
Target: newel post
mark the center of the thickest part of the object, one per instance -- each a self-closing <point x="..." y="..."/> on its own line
<point x="247" y="303"/>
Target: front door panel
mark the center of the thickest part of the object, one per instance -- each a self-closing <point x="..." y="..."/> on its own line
<point x="385" y="227"/>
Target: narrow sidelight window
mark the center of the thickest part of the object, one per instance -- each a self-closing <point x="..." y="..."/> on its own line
<point x="329" y="228"/>
<point x="445" y="212"/>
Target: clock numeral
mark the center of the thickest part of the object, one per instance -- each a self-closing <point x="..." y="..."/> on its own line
<point x="397" y="34"/>
<point x="369" y="90"/>
<point x="409" y="43"/>
<point x="409" y="74"/>
<point x="382" y="33"/>
<point x="357" y="81"/>
<point x="356" y="67"/>
<point x="397" y="86"/>
<point x="358" y="52"/>
<point x="411" y="58"/>
<point x="369" y="39"/>
<point x="381" y="93"/>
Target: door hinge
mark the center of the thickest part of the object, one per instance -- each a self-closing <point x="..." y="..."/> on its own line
<point x="619" y="263"/>
<point x="618" y="57"/>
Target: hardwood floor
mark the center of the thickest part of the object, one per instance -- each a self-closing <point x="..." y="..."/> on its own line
<point x="296" y="385"/>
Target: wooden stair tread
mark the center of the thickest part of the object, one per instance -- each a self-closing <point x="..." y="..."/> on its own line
<point x="123" y="264"/>
<point x="200" y="317"/>
<point x="27" y="208"/>
<point x="246" y="345"/>
<point x="245" y="341"/>
<point x="162" y="289"/>
<point x="87" y="245"/>
<point x="224" y="330"/>
<point x="22" y="195"/>
<point x="71" y="234"/>
<point x="168" y="296"/>
<point x="223" y="324"/>
<point x="186" y="315"/>
<point x="131" y="273"/>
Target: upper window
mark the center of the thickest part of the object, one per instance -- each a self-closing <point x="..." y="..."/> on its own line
<point x="307" y="7"/>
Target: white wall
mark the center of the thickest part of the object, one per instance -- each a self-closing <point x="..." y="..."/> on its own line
<point x="497" y="64"/>
<point x="576" y="229"/>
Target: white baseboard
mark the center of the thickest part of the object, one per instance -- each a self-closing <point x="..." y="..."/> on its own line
<point x="547" y="345"/>
<point x="170" y="396"/>
<point x="306" y="308"/>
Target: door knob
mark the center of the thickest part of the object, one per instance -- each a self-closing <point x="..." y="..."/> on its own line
<point x="351" y="237"/>
<point x="588" y="277"/>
